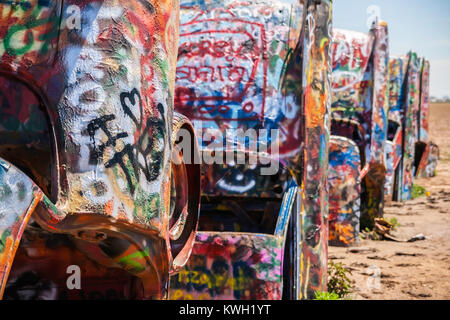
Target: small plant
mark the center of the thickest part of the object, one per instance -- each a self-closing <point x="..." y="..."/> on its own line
<point x="394" y="222"/>
<point x="418" y="191"/>
<point x="326" y="296"/>
<point x="338" y="280"/>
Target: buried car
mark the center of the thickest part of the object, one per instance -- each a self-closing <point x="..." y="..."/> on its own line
<point x="426" y="154"/>
<point x="88" y="182"/>
<point x="253" y="77"/>
<point x="409" y="150"/>
<point x="358" y="131"/>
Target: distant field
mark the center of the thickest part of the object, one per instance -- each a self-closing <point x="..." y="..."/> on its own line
<point x="440" y="127"/>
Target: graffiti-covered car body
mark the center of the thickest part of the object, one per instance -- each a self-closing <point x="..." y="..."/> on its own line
<point x="409" y="152"/>
<point x="86" y="132"/>
<point x="398" y="68"/>
<point x="253" y="77"/>
<point x="404" y="79"/>
<point x="358" y="129"/>
<point x="427" y="152"/>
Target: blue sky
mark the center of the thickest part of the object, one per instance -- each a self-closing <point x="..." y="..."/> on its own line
<point x="419" y="25"/>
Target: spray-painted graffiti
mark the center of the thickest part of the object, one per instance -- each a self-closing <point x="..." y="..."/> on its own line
<point x="398" y="68"/>
<point x="410" y="152"/>
<point x="317" y="91"/>
<point x="144" y="148"/>
<point x="410" y="127"/>
<point x="229" y="265"/>
<point x="93" y="79"/>
<point x="94" y="119"/>
<point x="359" y="109"/>
<point x="231" y="65"/>
<point x="240" y="267"/>
<point x="345" y="188"/>
<point x="393" y="158"/>
<point x="427" y="153"/>
<point x="428" y="165"/>
<point x="423" y="132"/>
<point x="240" y="67"/>
<point x="18" y="199"/>
<point x="404" y="108"/>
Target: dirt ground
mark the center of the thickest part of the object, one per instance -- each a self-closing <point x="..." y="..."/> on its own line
<point x="388" y="270"/>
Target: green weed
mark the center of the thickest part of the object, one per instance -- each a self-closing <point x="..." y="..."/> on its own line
<point x="418" y="191"/>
